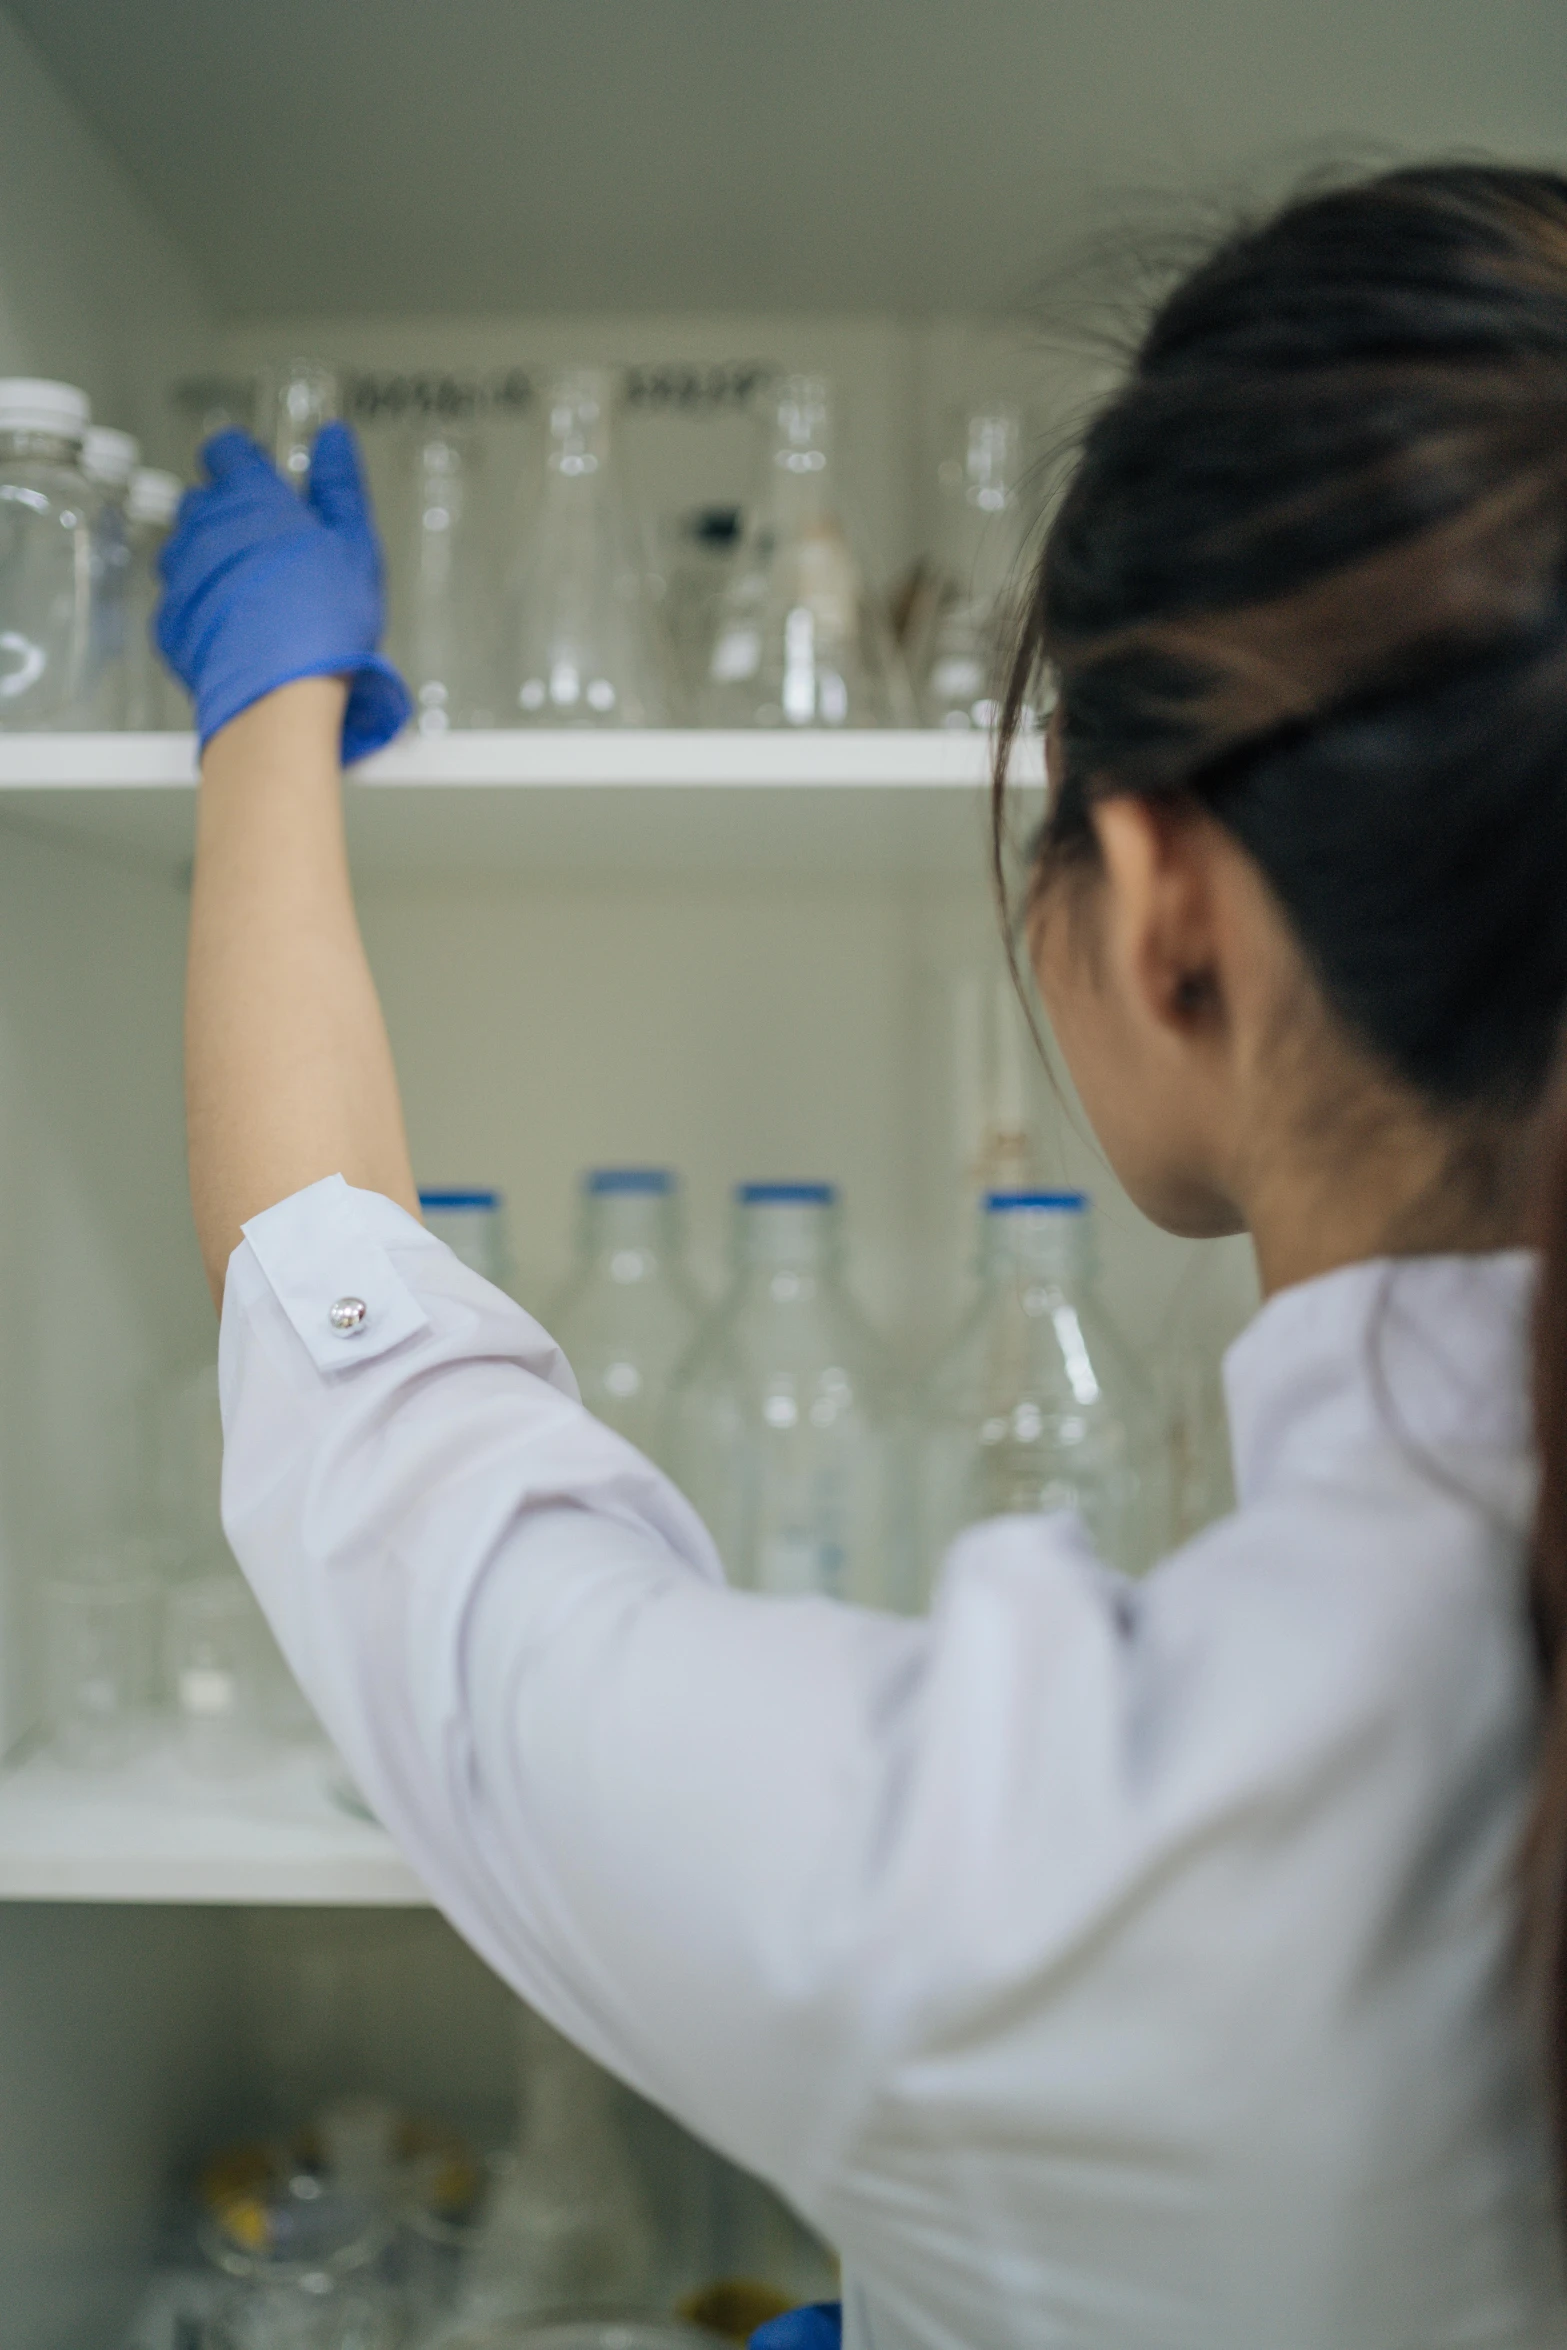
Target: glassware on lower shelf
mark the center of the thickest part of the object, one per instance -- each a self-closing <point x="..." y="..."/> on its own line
<point x="303" y="2264"/>
<point x="627" y="1315"/>
<point x="472" y="1222"/>
<point x="100" y="1621"/>
<point x="801" y="640"/>
<point x="630" y="2332"/>
<point x="780" y="1422"/>
<point x="1036" y="1405"/>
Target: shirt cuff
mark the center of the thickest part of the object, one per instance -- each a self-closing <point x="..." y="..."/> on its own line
<point x="324" y="1254"/>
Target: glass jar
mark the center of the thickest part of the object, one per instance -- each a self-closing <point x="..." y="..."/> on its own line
<point x="472" y="1222"/>
<point x="46" y="556"/>
<point x="801" y="640"/>
<point x="582" y="649"/>
<point x="960" y="658"/>
<point x="1037" y="1406"/>
<point x="627" y="1315"/>
<point x="781" y="1425"/>
<point x="109" y="458"/>
<point x="154" y="701"/>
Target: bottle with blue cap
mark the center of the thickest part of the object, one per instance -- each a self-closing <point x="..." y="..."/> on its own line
<point x="471" y="1219"/>
<point x="628" y="1312"/>
<point x="783" y="1428"/>
<point x="1037" y="1404"/>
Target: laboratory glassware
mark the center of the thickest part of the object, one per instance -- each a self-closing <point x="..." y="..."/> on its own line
<point x="303" y="2263"/>
<point x="109" y="458"/>
<point x="801" y="640"/>
<point x="435" y="627"/>
<point x="153" y="701"/>
<point x="100" y="1629"/>
<point x="1037" y="1405"/>
<point x="566" y="2224"/>
<point x="47" y="506"/>
<point x="218" y="1661"/>
<point x="297" y="399"/>
<point x="960" y="657"/>
<point x="628" y="1314"/>
<point x="582" y="649"/>
<point x="782" y="1424"/>
<point x="472" y="1222"/>
<point x="620" y="2332"/>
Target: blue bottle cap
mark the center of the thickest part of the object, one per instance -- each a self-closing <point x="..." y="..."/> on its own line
<point x="652" y="1181"/>
<point x="1055" y="1203"/>
<point x="786" y="1195"/>
<point x="445" y="1203"/>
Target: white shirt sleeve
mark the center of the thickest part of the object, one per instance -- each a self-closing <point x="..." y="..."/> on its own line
<point x="654" y="1804"/>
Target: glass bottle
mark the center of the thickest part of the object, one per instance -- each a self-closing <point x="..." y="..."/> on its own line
<point x="435" y="631"/>
<point x="582" y="652"/>
<point x="782" y="1427"/>
<point x="46" y="555"/>
<point x="1036" y="1405"/>
<point x="109" y="458"/>
<point x="627" y="1315"/>
<point x="472" y="1222"/>
<point x="960" y="659"/>
<point x="800" y="640"/>
<point x="565" y="2224"/>
<point x="153" y="700"/>
<point x="297" y="399"/>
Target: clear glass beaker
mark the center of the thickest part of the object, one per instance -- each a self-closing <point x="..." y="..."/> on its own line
<point x="296" y="400"/>
<point x="303" y="2264"/>
<point x="436" y="632"/>
<point x="47" y="506"/>
<point x="582" y="649"/>
<point x="959" y="660"/>
<point x="218" y="1658"/>
<point x="627" y="1315"/>
<point x="801" y="640"/>
<point x="781" y="1418"/>
<point x="1037" y="1405"/>
<point x="100" y="1628"/>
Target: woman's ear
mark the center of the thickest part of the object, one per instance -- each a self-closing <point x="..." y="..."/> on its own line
<point x="1160" y="916"/>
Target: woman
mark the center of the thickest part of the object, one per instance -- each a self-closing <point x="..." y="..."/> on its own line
<point x="1095" y="1964"/>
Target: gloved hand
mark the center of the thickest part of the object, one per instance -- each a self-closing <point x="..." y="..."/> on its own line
<point x="261" y="586"/>
<point x="816" y="2327"/>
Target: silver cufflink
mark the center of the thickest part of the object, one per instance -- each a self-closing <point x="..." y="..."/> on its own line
<point x="348" y="1315"/>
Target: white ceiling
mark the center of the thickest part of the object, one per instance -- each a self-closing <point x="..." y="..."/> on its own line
<point x="913" y="156"/>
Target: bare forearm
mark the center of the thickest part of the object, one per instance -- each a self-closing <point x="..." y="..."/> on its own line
<point x="288" y="1073"/>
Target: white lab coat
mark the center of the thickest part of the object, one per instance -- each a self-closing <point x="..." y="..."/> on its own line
<point x="1118" y="1966"/>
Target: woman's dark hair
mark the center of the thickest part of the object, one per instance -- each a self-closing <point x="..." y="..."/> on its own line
<point x="1310" y="574"/>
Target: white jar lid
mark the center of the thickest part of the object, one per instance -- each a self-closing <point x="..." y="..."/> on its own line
<point x="110" y="457"/>
<point x="30" y="404"/>
<point x="154" y="496"/>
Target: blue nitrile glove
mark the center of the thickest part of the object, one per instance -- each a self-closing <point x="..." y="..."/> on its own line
<point x="261" y="586"/>
<point x="819" y="2327"/>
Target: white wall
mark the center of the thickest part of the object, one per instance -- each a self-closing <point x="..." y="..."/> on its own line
<point x="90" y="290"/>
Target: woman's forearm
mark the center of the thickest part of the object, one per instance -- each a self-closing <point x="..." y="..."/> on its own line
<point x="288" y="1072"/>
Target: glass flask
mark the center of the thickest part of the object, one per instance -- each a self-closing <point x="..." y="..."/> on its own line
<point x="629" y="2332"/>
<point x="781" y="1426"/>
<point x="1214" y="1300"/>
<point x="1037" y="1406"/>
<point x="472" y="1222"/>
<point x="628" y="1314"/>
<point x="303" y="2265"/>
<point x="435" y="626"/>
<point x="800" y="640"/>
<point x="566" y="2224"/>
<point x="296" y="400"/>
<point x="219" y="1655"/>
<point x="46" y="555"/>
<point x="153" y="700"/>
<point x="100" y="1625"/>
<point x="109" y="458"/>
<point x="582" y="651"/>
<point x="960" y="658"/>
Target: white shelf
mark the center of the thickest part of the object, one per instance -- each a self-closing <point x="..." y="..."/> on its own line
<point x="152" y="1832"/>
<point x="666" y="801"/>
